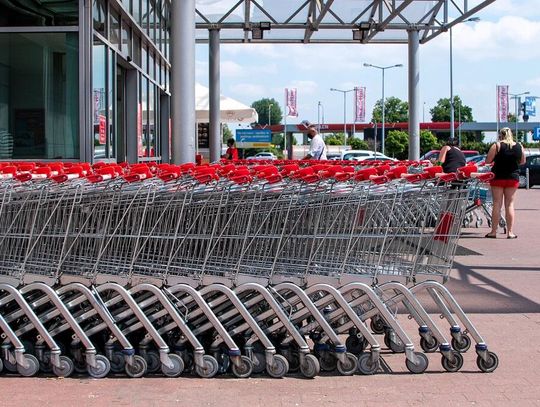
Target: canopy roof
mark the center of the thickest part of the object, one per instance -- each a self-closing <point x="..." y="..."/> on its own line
<point x="330" y="21"/>
<point x="231" y="110"/>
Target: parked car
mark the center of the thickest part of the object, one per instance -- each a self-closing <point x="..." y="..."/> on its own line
<point x="433" y="155"/>
<point x="265" y="155"/>
<point x="476" y="159"/>
<point x="532" y="162"/>
<point x="357" y="154"/>
<point x="333" y="156"/>
<point x="379" y="157"/>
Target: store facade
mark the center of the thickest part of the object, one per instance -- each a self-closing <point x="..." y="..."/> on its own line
<point x="85" y="80"/>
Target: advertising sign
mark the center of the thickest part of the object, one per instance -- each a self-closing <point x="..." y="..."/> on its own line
<point x="253" y="138"/>
<point x="530" y="106"/>
<point x="290" y="97"/>
<point x="102" y="129"/>
<point x="502" y="103"/>
<point x="360" y="104"/>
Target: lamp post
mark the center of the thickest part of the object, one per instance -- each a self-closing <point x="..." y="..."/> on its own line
<point x="344" y="112"/>
<point x="516" y="97"/>
<point x="269" y="109"/>
<point x="319" y="107"/>
<point x="452" y="130"/>
<point x="382" y="68"/>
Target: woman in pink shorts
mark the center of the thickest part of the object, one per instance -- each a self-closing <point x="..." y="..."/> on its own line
<point x="506" y="156"/>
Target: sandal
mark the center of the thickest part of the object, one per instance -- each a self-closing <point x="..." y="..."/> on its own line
<point x="512" y="237"/>
<point x="488" y="236"/>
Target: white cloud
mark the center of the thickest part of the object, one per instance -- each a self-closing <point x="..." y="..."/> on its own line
<point x="247" y="92"/>
<point x="231" y="68"/>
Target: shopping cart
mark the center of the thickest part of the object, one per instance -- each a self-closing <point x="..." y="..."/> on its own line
<point x="220" y="268"/>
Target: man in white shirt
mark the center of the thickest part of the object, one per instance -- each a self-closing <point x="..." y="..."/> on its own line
<point x="317" y="148"/>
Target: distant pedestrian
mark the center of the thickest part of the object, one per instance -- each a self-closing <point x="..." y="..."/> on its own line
<point x="317" y="148"/>
<point x="451" y="157"/>
<point x="232" y="151"/>
<point x="506" y="156"/>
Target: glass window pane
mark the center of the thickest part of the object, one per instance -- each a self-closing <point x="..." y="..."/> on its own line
<point x="151" y="21"/>
<point x="100" y="17"/>
<point x="111" y="103"/>
<point x="144" y="16"/>
<point x="144" y="59"/>
<point x="126" y="4"/>
<point x="126" y="39"/>
<point x="151" y="66"/>
<point x="137" y="50"/>
<point x="99" y="95"/>
<point x="143" y="150"/>
<point x="114" y="37"/>
<point x="151" y="120"/>
<point x="136" y="11"/>
<point x="39" y="13"/>
<point x="39" y="96"/>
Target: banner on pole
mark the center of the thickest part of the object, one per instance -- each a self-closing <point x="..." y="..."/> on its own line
<point x="530" y="105"/>
<point x="290" y="97"/>
<point x="360" y="104"/>
<point x="502" y="103"/>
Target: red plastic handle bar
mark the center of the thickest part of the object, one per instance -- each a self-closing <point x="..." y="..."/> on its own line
<point x="447" y="177"/>
<point x="378" y="179"/>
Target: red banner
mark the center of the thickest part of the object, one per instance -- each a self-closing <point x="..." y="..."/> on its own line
<point x="140" y="147"/>
<point x="502" y="103"/>
<point x="290" y="97"/>
<point x="102" y="129"/>
<point x="360" y="104"/>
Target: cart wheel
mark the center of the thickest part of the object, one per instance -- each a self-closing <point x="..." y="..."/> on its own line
<point x="33" y="366"/>
<point x="377" y="325"/>
<point x="1" y="365"/>
<point x="365" y="365"/>
<point x="177" y="369"/>
<point x="210" y="368"/>
<point x="118" y="362"/>
<point x="479" y="222"/>
<point x="421" y="365"/>
<point x="153" y="362"/>
<point x="102" y="367"/>
<point x="80" y="366"/>
<point x="349" y="366"/>
<point x="311" y="367"/>
<point x="455" y="365"/>
<point x="10" y="367"/>
<point x="463" y="345"/>
<point x="245" y="368"/>
<point x="294" y="362"/>
<point x="45" y="363"/>
<point x="328" y="362"/>
<point x="279" y="368"/>
<point x="259" y="365"/>
<point x="356" y="344"/>
<point x="396" y="347"/>
<point x="429" y="346"/>
<point x="66" y="369"/>
<point x="138" y="368"/>
<point x="490" y="365"/>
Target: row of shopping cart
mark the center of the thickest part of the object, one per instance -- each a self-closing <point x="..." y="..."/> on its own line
<point x="228" y="268"/>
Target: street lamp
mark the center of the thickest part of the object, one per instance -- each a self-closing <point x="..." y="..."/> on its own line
<point x="319" y="108"/>
<point x="452" y="130"/>
<point x="269" y="108"/>
<point x="382" y="68"/>
<point x="516" y="96"/>
<point x="344" y="111"/>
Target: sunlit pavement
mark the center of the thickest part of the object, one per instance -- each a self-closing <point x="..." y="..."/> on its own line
<point x="496" y="281"/>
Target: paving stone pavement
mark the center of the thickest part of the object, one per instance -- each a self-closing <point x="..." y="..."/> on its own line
<point x="496" y="281"/>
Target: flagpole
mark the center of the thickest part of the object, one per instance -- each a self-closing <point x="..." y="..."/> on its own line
<point x="498" y="108"/>
<point x="285" y="126"/>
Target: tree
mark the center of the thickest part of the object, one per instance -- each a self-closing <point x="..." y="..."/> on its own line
<point x="395" y="111"/>
<point x="227" y="133"/>
<point x="335" y="140"/>
<point x="262" y="106"/>
<point x="441" y="111"/>
<point x="397" y="143"/>
<point x="511" y="118"/>
<point x="428" y="142"/>
<point x="357" y="144"/>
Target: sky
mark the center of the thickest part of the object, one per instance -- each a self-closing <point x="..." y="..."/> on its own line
<point x="501" y="49"/>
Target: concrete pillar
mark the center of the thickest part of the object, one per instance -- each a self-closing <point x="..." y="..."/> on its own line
<point x="214" y="128"/>
<point x="183" y="81"/>
<point x="414" y="94"/>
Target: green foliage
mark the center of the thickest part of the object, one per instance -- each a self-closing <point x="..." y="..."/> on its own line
<point x="441" y="111"/>
<point x="227" y="133"/>
<point x="428" y="142"/>
<point x="511" y="118"/>
<point x="335" y="140"/>
<point x="357" y="144"/>
<point x="262" y="105"/>
<point x="482" y="148"/>
<point x="397" y="143"/>
<point x="395" y="111"/>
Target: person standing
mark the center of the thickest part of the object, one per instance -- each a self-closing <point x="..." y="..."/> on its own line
<point x="317" y="148"/>
<point x="451" y="157"/>
<point x="506" y="156"/>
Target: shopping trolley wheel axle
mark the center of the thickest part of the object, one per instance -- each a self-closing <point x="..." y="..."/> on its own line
<point x="421" y="363"/>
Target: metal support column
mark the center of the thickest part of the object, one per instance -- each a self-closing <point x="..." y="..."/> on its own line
<point x="414" y="97"/>
<point x="214" y="127"/>
<point x="183" y="81"/>
<point x="165" y="112"/>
